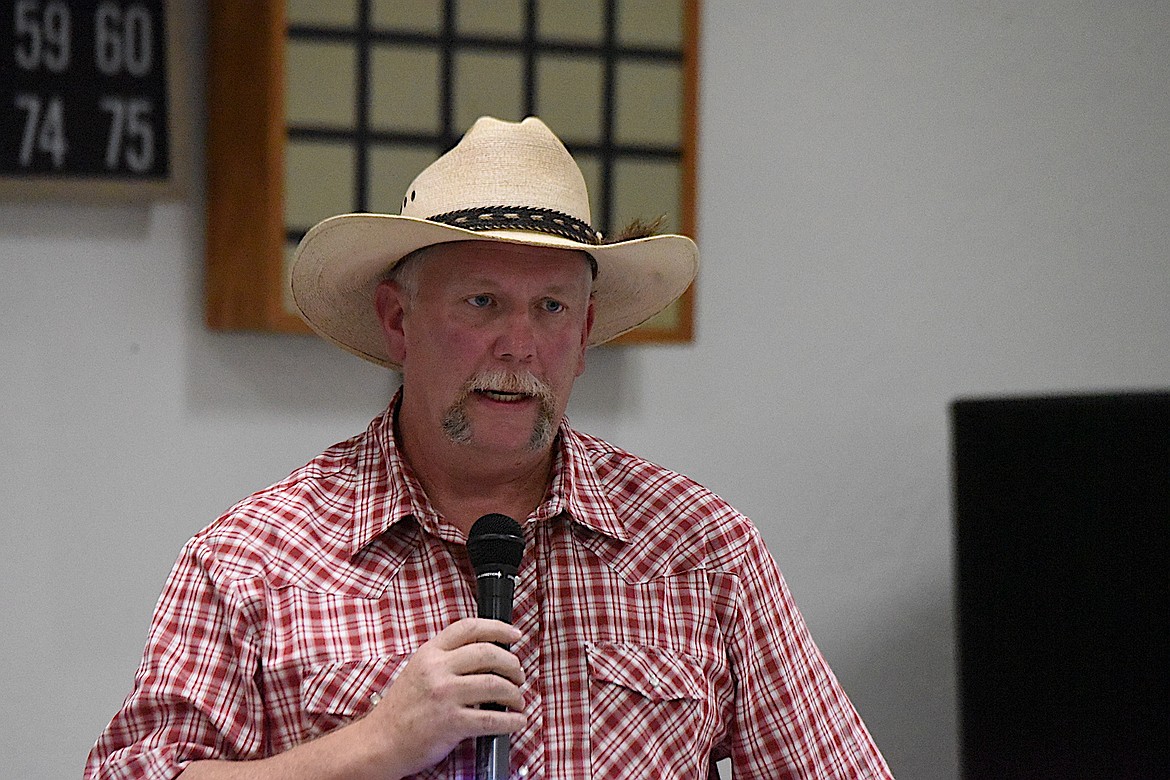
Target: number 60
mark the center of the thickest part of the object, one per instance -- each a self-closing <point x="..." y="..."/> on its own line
<point x="123" y="39"/>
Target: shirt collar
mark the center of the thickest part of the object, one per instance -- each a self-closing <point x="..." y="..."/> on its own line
<point x="388" y="492"/>
<point x="577" y="490"/>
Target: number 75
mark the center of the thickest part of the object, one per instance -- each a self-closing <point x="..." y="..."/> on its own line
<point x="131" y="133"/>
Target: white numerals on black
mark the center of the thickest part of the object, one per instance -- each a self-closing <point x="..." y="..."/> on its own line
<point x="44" y="129"/>
<point x="131" y="135"/>
<point x="123" y="39"/>
<point x="123" y="46"/>
<point x="42" y="35"/>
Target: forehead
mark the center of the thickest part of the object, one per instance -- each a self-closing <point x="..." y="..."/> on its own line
<point x="503" y="261"/>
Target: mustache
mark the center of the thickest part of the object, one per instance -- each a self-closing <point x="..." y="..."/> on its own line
<point x="503" y="381"/>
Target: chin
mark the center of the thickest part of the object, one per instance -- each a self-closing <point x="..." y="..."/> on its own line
<point x="531" y="439"/>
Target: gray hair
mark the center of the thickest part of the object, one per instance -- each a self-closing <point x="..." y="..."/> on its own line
<point x="405" y="273"/>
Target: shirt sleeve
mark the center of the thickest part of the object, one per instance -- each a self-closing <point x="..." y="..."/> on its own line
<point x="792" y="719"/>
<point x="195" y="694"/>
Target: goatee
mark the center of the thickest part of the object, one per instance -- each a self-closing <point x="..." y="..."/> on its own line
<point x="457" y="426"/>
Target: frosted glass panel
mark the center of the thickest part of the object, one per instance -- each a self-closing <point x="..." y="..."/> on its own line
<point x="392" y="169"/>
<point x="574" y="21"/>
<point x="569" y="92"/>
<point x="497" y="18"/>
<point x="324" y="13"/>
<point x="423" y="16"/>
<point x="319" y="182"/>
<point x="649" y="110"/>
<point x="650" y="23"/>
<point x="488" y="84"/>
<point x="404" y="88"/>
<point x="321" y="84"/>
<point x="647" y="189"/>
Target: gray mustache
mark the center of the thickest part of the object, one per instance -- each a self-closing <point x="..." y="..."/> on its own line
<point x="508" y="382"/>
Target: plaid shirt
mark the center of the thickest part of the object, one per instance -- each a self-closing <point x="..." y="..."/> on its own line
<point x="658" y="634"/>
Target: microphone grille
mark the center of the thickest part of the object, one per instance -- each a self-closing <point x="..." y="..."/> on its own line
<point x="496" y="543"/>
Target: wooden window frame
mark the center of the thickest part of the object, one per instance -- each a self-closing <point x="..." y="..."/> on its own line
<point x="246" y="134"/>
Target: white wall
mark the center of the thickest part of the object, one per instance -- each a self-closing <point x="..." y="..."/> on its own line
<point x="902" y="202"/>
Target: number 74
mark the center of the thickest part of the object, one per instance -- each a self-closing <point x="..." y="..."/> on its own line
<point x="44" y="131"/>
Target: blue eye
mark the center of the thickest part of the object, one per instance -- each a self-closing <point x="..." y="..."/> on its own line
<point x="552" y="307"/>
<point x="481" y="301"/>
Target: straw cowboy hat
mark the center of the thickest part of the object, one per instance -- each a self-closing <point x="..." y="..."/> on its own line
<point x="512" y="182"/>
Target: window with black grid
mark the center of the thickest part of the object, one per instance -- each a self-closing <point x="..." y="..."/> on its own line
<point x="377" y="89"/>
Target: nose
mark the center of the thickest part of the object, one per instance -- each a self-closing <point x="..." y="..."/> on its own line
<point x="517" y="338"/>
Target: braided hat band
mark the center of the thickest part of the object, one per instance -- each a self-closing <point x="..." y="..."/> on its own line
<point x="555" y="223"/>
<point x="542" y="220"/>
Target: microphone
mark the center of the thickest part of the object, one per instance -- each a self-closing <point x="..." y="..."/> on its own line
<point x="495" y="545"/>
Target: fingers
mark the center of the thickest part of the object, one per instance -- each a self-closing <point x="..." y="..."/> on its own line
<point x="438" y="699"/>
<point x="472" y="648"/>
<point x="484" y="723"/>
<point x="470" y="630"/>
<point x="462" y="664"/>
<point x="484" y="659"/>
<point x="473" y="691"/>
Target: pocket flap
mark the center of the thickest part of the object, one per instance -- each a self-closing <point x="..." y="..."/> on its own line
<point x="346" y="687"/>
<point x="659" y="675"/>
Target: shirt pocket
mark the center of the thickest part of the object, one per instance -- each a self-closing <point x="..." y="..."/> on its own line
<point x="340" y="692"/>
<point x="647" y="707"/>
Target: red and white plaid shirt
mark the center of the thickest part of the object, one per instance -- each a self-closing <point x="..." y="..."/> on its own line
<point x="658" y="634"/>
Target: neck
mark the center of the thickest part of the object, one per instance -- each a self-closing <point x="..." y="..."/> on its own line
<point x="464" y="483"/>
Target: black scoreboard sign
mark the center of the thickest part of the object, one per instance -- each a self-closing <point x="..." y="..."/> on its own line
<point x="84" y="91"/>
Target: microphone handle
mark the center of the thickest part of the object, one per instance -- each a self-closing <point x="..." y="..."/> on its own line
<point x="494" y="593"/>
<point x="493" y="757"/>
<point x="493" y="752"/>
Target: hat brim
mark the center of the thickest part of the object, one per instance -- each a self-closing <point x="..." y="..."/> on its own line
<point x="339" y="263"/>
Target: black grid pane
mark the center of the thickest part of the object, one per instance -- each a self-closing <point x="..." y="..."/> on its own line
<point x="379" y="88"/>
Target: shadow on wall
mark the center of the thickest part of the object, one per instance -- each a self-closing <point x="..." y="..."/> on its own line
<point x="609" y="387"/>
<point x="56" y="220"/>
<point x="232" y="372"/>
<point x="903" y="684"/>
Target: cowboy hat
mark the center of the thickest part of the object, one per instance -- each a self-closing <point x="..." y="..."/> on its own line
<point x="512" y="182"/>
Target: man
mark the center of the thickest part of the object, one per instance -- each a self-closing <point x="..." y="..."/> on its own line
<point x="323" y="627"/>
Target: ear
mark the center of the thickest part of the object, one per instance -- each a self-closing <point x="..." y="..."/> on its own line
<point x="585" y="337"/>
<point x="390" y="305"/>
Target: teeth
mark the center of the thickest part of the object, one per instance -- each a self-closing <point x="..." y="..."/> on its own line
<point x="500" y="396"/>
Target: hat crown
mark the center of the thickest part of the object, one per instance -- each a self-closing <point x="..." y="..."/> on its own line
<point x="498" y="163"/>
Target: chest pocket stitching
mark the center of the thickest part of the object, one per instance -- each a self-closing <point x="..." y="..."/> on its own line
<point x="659" y="675"/>
<point x="344" y="688"/>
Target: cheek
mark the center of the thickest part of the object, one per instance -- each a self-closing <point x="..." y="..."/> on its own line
<point x="447" y="343"/>
<point x="439" y="361"/>
<point x="570" y="346"/>
<point x="570" y="362"/>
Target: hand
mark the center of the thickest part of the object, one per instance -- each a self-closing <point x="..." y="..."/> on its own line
<point x="434" y="703"/>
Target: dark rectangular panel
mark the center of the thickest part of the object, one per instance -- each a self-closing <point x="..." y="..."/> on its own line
<point x="1062" y="507"/>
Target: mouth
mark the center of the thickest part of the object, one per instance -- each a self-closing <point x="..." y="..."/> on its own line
<point x="503" y="396"/>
